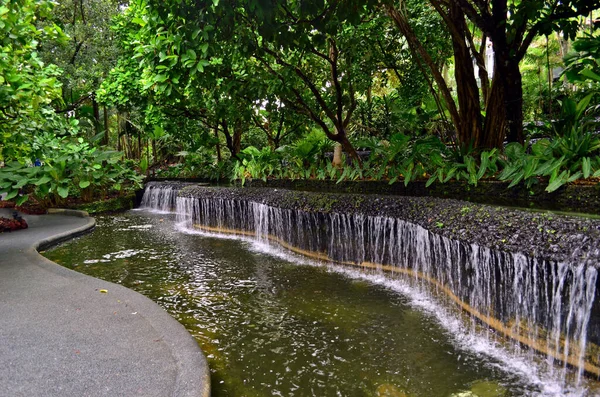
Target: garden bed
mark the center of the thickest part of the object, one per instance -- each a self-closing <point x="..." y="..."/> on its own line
<point x="108" y="204"/>
<point x="10" y="225"/>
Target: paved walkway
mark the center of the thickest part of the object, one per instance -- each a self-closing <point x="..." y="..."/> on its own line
<point x="60" y="336"/>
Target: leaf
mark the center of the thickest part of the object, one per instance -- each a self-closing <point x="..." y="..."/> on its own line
<point x="590" y="74"/>
<point x="531" y="165"/>
<point x="582" y="105"/>
<point x="139" y="21"/>
<point x="558" y="181"/>
<point x="63" y="191"/>
<point x="84" y="184"/>
<point x="12" y="194"/>
<point x="43" y="180"/>
<point x="21" y="183"/>
<point x="343" y="176"/>
<point x="518" y="177"/>
<point x="550" y="166"/>
<point x="21" y="199"/>
<point x="451" y="174"/>
<point x="431" y="180"/>
<point x="484" y="164"/>
<point x="586" y="167"/>
<point x="574" y="177"/>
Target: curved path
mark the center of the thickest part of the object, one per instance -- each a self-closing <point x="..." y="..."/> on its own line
<point x="61" y="336"/>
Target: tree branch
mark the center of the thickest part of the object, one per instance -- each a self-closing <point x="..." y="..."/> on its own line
<point x="334" y="54"/>
<point x="74" y="105"/>
<point x="483" y="19"/>
<point x="311" y="86"/>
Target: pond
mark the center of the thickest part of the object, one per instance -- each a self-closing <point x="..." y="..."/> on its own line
<point x="272" y="324"/>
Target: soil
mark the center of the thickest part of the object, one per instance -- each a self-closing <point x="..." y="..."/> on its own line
<point x="34" y="207"/>
<point x="30" y="207"/>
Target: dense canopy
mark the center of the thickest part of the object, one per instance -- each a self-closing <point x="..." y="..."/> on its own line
<point x="94" y="94"/>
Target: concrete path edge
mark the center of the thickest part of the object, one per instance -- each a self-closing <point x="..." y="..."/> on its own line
<point x="193" y="379"/>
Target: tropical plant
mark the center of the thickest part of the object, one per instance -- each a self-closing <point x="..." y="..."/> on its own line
<point x="69" y="167"/>
<point x="574" y="153"/>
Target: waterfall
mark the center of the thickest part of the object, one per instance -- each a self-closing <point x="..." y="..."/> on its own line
<point x="159" y="197"/>
<point x="543" y="305"/>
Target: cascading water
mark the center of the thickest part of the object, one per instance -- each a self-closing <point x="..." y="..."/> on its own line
<point x="543" y="305"/>
<point x="160" y="197"/>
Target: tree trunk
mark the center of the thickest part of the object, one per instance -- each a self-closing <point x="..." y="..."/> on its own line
<point x="238" y="129"/>
<point x="106" y="131"/>
<point x="96" y="115"/>
<point x="495" y="120"/>
<point x="217" y="145"/>
<point x="229" y="140"/>
<point x="119" y="129"/>
<point x="337" y="155"/>
<point x="514" y="103"/>
<point x="419" y="52"/>
<point x="342" y="139"/>
<point x="469" y="131"/>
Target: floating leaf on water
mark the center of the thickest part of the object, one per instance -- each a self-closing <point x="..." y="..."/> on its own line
<point x="104" y="291"/>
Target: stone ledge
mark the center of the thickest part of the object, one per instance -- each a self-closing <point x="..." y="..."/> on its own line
<point x="545" y="236"/>
<point x="571" y="198"/>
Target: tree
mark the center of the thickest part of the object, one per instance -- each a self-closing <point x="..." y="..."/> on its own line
<point x="511" y="26"/>
<point x="86" y="57"/>
<point x="319" y="54"/>
<point x="28" y="86"/>
<point x="277" y="122"/>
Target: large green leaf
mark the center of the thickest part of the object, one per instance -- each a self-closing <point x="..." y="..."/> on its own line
<point x="12" y="194"/>
<point x="558" y="181"/>
<point x="43" y="180"/>
<point x="21" y="199"/>
<point x="22" y="182"/>
<point x="586" y="167"/>
<point x="83" y="184"/>
<point x="63" y="191"/>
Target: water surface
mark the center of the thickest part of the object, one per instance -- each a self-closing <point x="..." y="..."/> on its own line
<point x="276" y="327"/>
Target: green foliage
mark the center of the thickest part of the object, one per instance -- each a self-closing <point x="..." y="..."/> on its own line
<point x="114" y="204"/>
<point x="199" y="164"/>
<point x="302" y="159"/>
<point x="70" y="167"/>
<point x="257" y="164"/>
<point x="27" y="85"/>
<point x="574" y="153"/>
<point x="583" y="64"/>
<point x="89" y="51"/>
